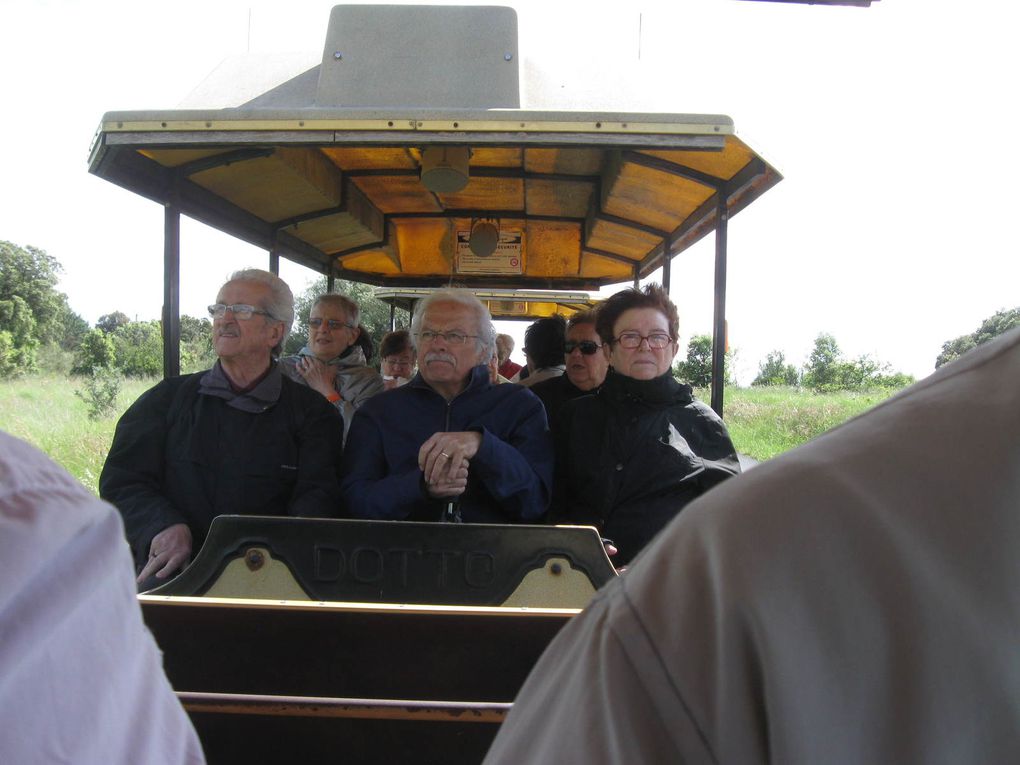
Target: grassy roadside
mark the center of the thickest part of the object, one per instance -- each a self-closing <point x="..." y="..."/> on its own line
<point x="44" y="411"/>
<point x="764" y="422"/>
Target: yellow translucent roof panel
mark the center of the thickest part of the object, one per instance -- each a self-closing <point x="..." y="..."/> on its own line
<point x="371" y="262"/>
<point x="597" y="267"/>
<point x="403" y="194"/>
<point x="565" y="161"/>
<point x="631" y="242"/>
<point x="552" y="249"/>
<point x="652" y="197"/>
<point x="496" y="157"/>
<point x="567" y="198"/>
<point x="487" y="194"/>
<point x="285" y="184"/>
<point x="372" y="158"/>
<point x="425" y="246"/>
<point x="334" y="233"/>
<point x="721" y="164"/>
<point x="178" y="157"/>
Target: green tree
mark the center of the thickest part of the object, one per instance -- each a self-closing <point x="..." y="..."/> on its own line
<point x="996" y="324"/>
<point x="375" y="314"/>
<point x="775" y="371"/>
<point x="30" y="274"/>
<point x="96" y="352"/>
<point x="822" y="369"/>
<point x="32" y="313"/>
<point x="20" y="343"/>
<point x="72" y="328"/>
<point x="696" y="369"/>
<point x="110" y="322"/>
<point x="196" y="344"/>
<point x="827" y="370"/>
<point x="138" y="348"/>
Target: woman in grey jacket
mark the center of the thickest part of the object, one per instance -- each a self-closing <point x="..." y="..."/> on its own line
<point x="333" y="363"/>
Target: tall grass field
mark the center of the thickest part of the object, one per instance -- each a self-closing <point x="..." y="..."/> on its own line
<point x="46" y="412"/>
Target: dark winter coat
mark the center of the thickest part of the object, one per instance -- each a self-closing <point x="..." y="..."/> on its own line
<point x="630" y="457"/>
<point x="184" y="456"/>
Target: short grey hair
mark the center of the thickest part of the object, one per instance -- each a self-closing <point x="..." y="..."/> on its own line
<point x="279" y="306"/>
<point x="486" y="331"/>
<point x="338" y="300"/>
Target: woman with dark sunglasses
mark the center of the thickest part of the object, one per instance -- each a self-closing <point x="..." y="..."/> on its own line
<point x="629" y="458"/>
<point x="586" y="367"/>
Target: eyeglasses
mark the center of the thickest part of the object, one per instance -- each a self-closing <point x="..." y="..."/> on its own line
<point x="241" y="311"/>
<point x="587" y="347"/>
<point x="656" y="341"/>
<point x="331" y="323"/>
<point x="397" y="363"/>
<point x="453" y="338"/>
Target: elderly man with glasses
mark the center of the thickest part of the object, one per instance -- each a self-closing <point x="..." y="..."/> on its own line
<point x="240" y="438"/>
<point x="586" y="367"/>
<point x="450" y="445"/>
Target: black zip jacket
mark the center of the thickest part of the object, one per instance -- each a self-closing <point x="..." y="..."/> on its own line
<point x="180" y="456"/>
<point x="630" y="457"/>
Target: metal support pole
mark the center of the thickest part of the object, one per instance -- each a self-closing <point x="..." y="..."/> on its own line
<point x="667" y="261"/>
<point x="637" y="278"/>
<point x="274" y="260"/>
<point x="171" y="291"/>
<point x="330" y="278"/>
<point x="719" y="320"/>
<point x="393" y="315"/>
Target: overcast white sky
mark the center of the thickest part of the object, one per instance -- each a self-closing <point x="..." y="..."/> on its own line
<point x="893" y="229"/>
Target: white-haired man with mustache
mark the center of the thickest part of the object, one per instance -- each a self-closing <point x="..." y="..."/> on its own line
<point x="450" y="445"/>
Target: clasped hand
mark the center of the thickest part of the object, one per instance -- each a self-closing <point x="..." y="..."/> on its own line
<point x="444" y="460"/>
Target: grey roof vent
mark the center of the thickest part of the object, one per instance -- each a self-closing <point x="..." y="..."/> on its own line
<point x="439" y="57"/>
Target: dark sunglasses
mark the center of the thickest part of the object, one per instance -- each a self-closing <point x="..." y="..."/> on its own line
<point x="587" y="347"/>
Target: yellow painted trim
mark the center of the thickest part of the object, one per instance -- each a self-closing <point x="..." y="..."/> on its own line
<point x="341" y="607"/>
<point x="423" y="126"/>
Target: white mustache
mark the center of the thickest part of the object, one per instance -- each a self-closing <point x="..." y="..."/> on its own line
<point x="449" y="358"/>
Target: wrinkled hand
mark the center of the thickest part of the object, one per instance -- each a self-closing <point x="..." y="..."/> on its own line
<point x="448" y="488"/>
<point x="444" y="454"/>
<point x="169" y="551"/>
<point x="319" y="375"/>
<point x="610" y="552"/>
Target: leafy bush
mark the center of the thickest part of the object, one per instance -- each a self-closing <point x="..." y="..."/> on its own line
<point x="95" y="352"/>
<point x="775" y="371"/>
<point x="993" y="326"/>
<point x="54" y="359"/>
<point x="16" y="360"/>
<point x="696" y="369"/>
<point x="100" y="393"/>
<point x="196" y="344"/>
<point x="138" y="348"/>
<point x="827" y="371"/>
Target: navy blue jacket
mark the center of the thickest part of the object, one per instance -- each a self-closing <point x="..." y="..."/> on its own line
<point x="509" y="479"/>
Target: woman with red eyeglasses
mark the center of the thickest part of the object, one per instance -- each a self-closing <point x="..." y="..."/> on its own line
<point x="630" y="457"/>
